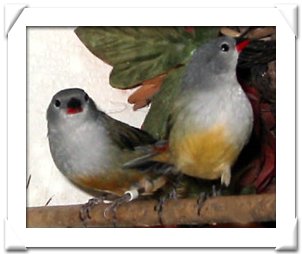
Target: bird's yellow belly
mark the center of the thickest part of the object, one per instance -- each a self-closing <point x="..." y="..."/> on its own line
<point x="205" y="154"/>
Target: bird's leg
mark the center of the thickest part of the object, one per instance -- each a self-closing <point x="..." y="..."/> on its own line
<point x="203" y="196"/>
<point x="167" y="193"/>
<point x="162" y="199"/>
<point x="127" y="197"/>
<point x="214" y="191"/>
<point x="145" y="185"/>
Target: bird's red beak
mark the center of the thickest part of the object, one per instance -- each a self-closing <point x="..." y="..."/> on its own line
<point x="241" y="45"/>
<point x="72" y="111"/>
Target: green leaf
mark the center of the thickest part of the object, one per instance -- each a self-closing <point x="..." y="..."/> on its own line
<point x="137" y="53"/>
<point x="157" y="118"/>
<point x="141" y="53"/>
<point x="204" y="33"/>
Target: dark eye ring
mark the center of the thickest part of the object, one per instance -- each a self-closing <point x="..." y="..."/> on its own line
<point x="224" y="47"/>
<point x="86" y="97"/>
<point x="57" y="103"/>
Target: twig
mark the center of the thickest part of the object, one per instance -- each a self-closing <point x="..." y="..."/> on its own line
<point x="28" y="181"/>
<point x="223" y="209"/>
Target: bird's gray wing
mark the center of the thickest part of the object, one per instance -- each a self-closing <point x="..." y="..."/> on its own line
<point x="124" y="135"/>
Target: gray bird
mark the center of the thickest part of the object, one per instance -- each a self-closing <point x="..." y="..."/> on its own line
<point x="211" y="119"/>
<point x="89" y="147"/>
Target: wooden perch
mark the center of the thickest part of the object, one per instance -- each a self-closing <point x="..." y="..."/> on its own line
<point x="140" y="213"/>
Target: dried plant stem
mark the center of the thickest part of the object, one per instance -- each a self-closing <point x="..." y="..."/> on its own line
<point x="223" y="209"/>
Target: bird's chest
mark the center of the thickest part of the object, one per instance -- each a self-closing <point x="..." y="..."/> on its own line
<point x="210" y="131"/>
<point x="84" y="148"/>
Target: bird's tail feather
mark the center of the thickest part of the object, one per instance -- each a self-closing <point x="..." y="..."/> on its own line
<point x="155" y="158"/>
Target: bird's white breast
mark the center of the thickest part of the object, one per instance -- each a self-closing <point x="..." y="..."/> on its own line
<point x="81" y="150"/>
<point x="224" y="105"/>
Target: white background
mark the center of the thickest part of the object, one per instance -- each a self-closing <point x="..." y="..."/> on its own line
<point x="57" y="59"/>
<point x="3" y="97"/>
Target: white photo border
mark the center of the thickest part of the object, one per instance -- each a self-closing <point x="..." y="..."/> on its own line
<point x="283" y="236"/>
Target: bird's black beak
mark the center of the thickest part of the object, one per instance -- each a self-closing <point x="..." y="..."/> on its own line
<point x="74" y="106"/>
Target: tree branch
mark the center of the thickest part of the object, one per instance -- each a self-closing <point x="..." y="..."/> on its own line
<point x="140" y="213"/>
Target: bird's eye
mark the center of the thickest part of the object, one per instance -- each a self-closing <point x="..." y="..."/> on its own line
<point x="224" y="47"/>
<point x="86" y="97"/>
<point x="57" y="103"/>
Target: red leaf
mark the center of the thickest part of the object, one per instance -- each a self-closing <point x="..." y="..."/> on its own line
<point x="262" y="167"/>
<point x="254" y="97"/>
<point x="269" y="164"/>
<point x="267" y="116"/>
<point x="189" y="29"/>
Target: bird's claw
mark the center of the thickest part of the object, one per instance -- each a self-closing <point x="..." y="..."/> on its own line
<point x="112" y="208"/>
<point x="159" y="209"/>
<point x="87" y="207"/>
<point x="159" y="206"/>
<point x="203" y="196"/>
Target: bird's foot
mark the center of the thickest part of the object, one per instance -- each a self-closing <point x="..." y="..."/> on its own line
<point x="203" y="196"/>
<point x="162" y="200"/>
<point x="87" y="207"/>
<point x="112" y="208"/>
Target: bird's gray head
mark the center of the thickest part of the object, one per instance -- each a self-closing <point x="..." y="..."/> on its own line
<point x="217" y="57"/>
<point x="71" y="106"/>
